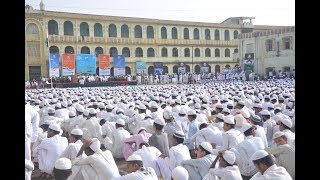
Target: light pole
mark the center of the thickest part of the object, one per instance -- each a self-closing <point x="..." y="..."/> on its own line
<point x="192" y="60"/>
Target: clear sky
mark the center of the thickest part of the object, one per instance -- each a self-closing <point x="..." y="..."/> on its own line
<point x="271" y="12"/>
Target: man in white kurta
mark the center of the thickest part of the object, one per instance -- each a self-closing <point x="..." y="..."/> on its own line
<point x="32" y="119"/>
<point x="268" y="126"/>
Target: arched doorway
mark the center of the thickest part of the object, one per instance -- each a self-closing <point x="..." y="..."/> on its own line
<point x="237" y="65"/>
<point x="175" y="69"/>
<point x="209" y="68"/>
<point x="187" y="68"/>
<point x="112" y="71"/>
<point x="216" y="69"/>
<point x="97" y="71"/>
<point x="197" y="69"/>
<point x="150" y="70"/>
<point x="227" y="66"/>
<point x="128" y="70"/>
<point x="165" y="69"/>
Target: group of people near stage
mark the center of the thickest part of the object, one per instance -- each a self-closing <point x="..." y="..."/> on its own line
<point x="217" y="130"/>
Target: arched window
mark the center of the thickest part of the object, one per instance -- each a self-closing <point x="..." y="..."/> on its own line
<point x="197" y="52"/>
<point x="53" y="27"/>
<point x="150" y="70"/>
<point x="124" y="31"/>
<point x="54" y="49"/>
<point x="235" y="34"/>
<point x="216" y="35"/>
<point x="208" y="52"/>
<point x="174" y="33"/>
<point x="126" y="52"/>
<point x="186" y="52"/>
<point x="163" y="33"/>
<point x="207" y="34"/>
<point x="150" y="32"/>
<point x="197" y="69"/>
<point x="227" y="66"/>
<point x="164" y="52"/>
<point x="185" y="33"/>
<point x="112" y="30"/>
<point x="84" y="29"/>
<point x="227" y="53"/>
<point x="196" y="33"/>
<point x="68" y="28"/>
<point x="165" y="69"/>
<point x="128" y="70"/>
<point x="97" y="30"/>
<point x="33" y="29"/>
<point x="175" y="52"/>
<point x="226" y="35"/>
<point x="235" y="50"/>
<point x="113" y="51"/>
<point x="69" y="50"/>
<point x="85" y="50"/>
<point x="137" y="31"/>
<point x="98" y="51"/>
<point x="187" y="68"/>
<point x="217" y="52"/>
<point x="217" y="69"/>
<point x="150" y="52"/>
<point x="175" y="69"/>
<point x="139" y="52"/>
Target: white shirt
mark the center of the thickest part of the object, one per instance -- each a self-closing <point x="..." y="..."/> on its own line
<point x="290" y="136"/>
<point x="146" y="173"/>
<point x="177" y="154"/>
<point x="210" y="134"/>
<point x="198" y="167"/>
<point x="117" y="138"/>
<point x="72" y="150"/>
<point x="227" y="173"/>
<point x="149" y="156"/>
<point x="273" y="172"/>
<point x="262" y="134"/>
<point x="231" y="138"/>
<point x="268" y="128"/>
<point x="32" y="119"/>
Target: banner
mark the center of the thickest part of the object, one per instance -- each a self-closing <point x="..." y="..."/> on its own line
<point x="68" y="64"/>
<point x="104" y="64"/>
<point x="204" y="67"/>
<point x="182" y="68"/>
<point x="119" y="65"/>
<point x="86" y="63"/>
<point x="158" y="68"/>
<point x="248" y="62"/>
<point x="141" y="67"/>
<point x="54" y="65"/>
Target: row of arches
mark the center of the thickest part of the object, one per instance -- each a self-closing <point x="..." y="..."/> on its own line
<point x="139" y="51"/>
<point x="68" y="30"/>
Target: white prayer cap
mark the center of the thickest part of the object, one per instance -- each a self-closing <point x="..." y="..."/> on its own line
<point x="119" y="110"/>
<point x="121" y="122"/>
<point x="142" y="106"/>
<point x="277" y="134"/>
<point x="86" y="101"/>
<point x="64" y="104"/>
<point x="257" y="105"/>
<point x="51" y="110"/>
<point x="86" y="112"/>
<point x="245" y="113"/>
<point x="72" y="113"/>
<point x="101" y="106"/>
<point x="63" y="163"/>
<point x="239" y="119"/>
<point x="179" y="134"/>
<point x="160" y="122"/>
<point x="220" y="116"/>
<point x="178" y="101"/>
<point x="37" y="101"/>
<point x="77" y="132"/>
<point x="226" y="110"/>
<point x="182" y="111"/>
<point x="142" y="128"/>
<point x="179" y="173"/>
<point x="205" y="99"/>
<point x="286" y="122"/>
<point x="265" y="112"/>
<point x="270" y="106"/>
<point x="109" y="106"/>
<point x="153" y="105"/>
<point x="79" y="108"/>
<point x="207" y="146"/>
<point x="214" y="98"/>
<point x="259" y="154"/>
<point x="167" y="115"/>
<point x="134" y="157"/>
<point x="55" y="126"/>
<point x="255" y="118"/>
<point x="245" y="127"/>
<point x="290" y="104"/>
<point x="229" y="156"/>
<point x="241" y="103"/>
<point x="95" y="144"/>
<point x="219" y="106"/>
<point x="191" y="112"/>
<point x="95" y="103"/>
<point x="281" y="98"/>
<point x="278" y="108"/>
<point x="229" y="119"/>
<point x="92" y="111"/>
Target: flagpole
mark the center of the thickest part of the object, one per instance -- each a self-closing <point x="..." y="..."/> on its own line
<point x="47" y="44"/>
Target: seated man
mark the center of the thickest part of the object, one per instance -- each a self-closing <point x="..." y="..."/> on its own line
<point x="62" y="169"/>
<point x="137" y="171"/>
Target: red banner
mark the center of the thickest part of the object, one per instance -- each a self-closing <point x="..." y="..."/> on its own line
<point x="104" y="61"/>
<point x="68" y="64"/>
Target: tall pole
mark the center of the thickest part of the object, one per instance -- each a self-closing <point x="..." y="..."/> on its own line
<point x="47" y="44"/>
<point x="192" y="60"/>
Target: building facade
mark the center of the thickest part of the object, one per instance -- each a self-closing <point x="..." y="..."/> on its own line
<point x="272" y="49"/>
<point x="139" y="39"/>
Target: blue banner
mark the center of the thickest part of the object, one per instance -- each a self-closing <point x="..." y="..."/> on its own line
<point x="86" y="63"/>
<point x="119" y="66"/>
<point x="158" y="68"/>
<point x="54" y="65"/>
<point x="141" y="67"/>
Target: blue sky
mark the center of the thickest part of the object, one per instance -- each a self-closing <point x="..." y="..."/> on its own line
<point x="271" y="12"/>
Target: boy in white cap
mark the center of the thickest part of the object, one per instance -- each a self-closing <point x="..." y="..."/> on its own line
<point x="285" y="126"/>
<point x="171" y="125"/>
<point x="256" y="121"/>
<point x="207" y="133"/>
<point x="137" y="171"/>
<point x="198" y="167"/>
<point x="159" y="139"/>
<point x="62" y="169"/>
<point x="268" y="126"/>
<point x="284" y="153"/>
<point x="227" y="169"/>
<point x="193" y="128"/>
<point x="179" y="173"/>
<point x="267" y="168"/>
<point x="74" y="145"/>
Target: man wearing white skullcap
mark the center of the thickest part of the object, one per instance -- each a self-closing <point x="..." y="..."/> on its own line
<point x="284" y="153"/>
<point x="159" y="139"/>
<point x="49" y="150"/>
<point x="63" y="112"/>
<point x="179" y="173"/>
<point x="32" y="119"/>
<point x="285" y="126"/>
<point x="74" y="145"/>
<point x="227" y="169"/>
<point x="171" y="125"/>
<point x="198" y="167"/>
<point x="98" y="164"/>
<point x="193" y="128"/>
<point x="116" y="141"/>
<point x="244" y="150"/>
<point x="183" y="119"/>
<point x="137" y="170"/>
<point x="92" y="125"/>
<point x="177" y="153"/>
<point x="267" y="168"/>
<point x="62" y="168"/>
<point x="219" y="121"/>
<point x="268" y="126"/>
<point x="208" y="133"/>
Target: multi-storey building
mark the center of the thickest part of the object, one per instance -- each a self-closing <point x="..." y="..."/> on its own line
<point x="139" y="39"/>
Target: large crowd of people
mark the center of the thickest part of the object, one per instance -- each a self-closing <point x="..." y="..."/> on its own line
<point x="213" y="128"/>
